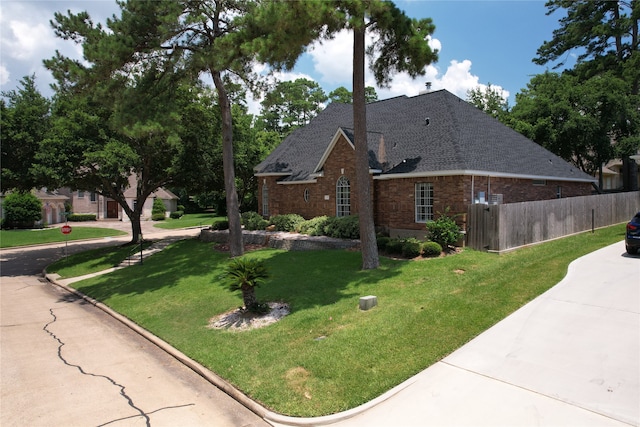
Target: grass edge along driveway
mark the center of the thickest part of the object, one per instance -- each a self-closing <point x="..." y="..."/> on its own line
<point x="328" y="356"/>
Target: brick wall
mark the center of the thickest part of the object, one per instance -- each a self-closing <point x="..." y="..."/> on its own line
<point x="393" y="199"/>
<point x="525" y="190"/>
<point x="289" y="198"/>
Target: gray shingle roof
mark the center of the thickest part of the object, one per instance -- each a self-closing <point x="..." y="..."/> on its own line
<point x="458" y="139"/>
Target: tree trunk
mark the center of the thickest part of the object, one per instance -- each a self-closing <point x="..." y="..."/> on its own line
<point x="233" y="211"/>
<point x="368" y="245"/>
<point x="136" y="228"/>
<point x="248" y="296"/>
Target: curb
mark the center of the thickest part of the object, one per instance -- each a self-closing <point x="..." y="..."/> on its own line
<point x="272" y="418"/>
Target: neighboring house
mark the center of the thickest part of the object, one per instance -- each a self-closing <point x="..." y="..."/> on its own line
<point x="86" y="202"/>
<point x="427" y="153"/>
<point x="612" y="175"/>
<point x="53" y="205"/>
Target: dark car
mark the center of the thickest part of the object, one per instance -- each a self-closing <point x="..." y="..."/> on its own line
<point x="632" y="237"/>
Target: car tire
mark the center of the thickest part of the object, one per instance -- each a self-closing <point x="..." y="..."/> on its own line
<point x="632" y="251"/>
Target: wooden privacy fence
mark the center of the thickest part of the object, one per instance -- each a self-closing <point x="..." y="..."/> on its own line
<point x="498" y="228"/>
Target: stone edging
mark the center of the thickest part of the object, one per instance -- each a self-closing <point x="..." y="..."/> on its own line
<point x="281" y="240"/>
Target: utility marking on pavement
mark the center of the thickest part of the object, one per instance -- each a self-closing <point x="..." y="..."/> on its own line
<point x="82" y="371"/>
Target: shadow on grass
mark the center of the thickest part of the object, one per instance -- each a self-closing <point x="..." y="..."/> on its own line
<point x="302" y="279"/>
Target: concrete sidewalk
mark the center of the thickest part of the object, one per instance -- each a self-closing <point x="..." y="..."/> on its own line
<point x="571" y="357"/>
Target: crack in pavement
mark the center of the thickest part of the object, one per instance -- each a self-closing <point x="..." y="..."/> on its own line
<point x="152" y="412"/>
<point x="83" y="372"/>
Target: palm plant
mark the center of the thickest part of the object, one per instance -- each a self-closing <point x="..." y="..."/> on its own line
<point x="246" y="274"/>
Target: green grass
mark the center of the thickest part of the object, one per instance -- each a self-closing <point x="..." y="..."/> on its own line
<point x="426" y="309"/>
<point x="94" y="260"/>
<point x="189" y="220"/>
<point x="12" y="238"/>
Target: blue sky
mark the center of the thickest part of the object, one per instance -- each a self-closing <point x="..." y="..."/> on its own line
<point x="480" y="42"/>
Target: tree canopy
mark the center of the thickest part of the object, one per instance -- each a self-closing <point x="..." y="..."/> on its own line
<point x="24" y="123"/>
<point x="291" y="104"/>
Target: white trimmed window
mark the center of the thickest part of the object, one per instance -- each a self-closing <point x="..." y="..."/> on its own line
<point x="343" y="197"/>
<point x="265" y="201"/>
<point x="424" y="202"/>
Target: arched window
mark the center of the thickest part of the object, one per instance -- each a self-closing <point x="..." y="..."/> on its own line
<point x="343" y="197"/>
<point x="265" y="201"/>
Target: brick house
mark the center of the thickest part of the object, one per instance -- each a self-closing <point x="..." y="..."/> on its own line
<point x="427" y="153"/>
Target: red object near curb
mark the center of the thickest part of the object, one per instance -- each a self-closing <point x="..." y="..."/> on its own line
<point x="66" y="229"/>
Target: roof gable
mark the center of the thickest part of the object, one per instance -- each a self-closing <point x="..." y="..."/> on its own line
<point x="340" y="132"/>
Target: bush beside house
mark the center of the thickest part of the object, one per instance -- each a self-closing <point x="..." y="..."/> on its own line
<point x="22" y="210"/>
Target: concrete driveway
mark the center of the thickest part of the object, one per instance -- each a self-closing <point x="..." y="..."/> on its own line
<point x="571" y="357"/>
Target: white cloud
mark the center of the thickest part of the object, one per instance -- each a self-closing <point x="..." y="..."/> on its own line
<point x="333" y="59"/>
<point x="28" y="40"/>
<point x="4" y="75"/>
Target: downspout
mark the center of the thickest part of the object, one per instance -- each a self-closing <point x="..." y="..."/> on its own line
<point x="472" y="200"/>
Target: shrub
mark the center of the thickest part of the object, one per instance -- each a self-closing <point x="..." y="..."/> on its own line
<point x="288" y="222"/>
<point x="394" y="246"/>
<point x="176" y="214"/>
<point x="346" y="227"/>
<point x="313" y="226"/>
<point x="411" y="248"/>
<point x="382" y="242"/>
<point x="158" y="208"/>
<point x="22" y="210"/>
<point x="158" y="217"/>
<point x="246" y="274"/>
<point x="253" y="221"/>
<point x="431" y="249"/>
<point x="81" y="217"/>
<point x="220" y="225"/>
<point x="443" y="230"/>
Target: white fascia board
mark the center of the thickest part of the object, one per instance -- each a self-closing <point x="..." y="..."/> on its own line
<point x="332" y="144"/>
<point x="273" y="174"/>
<point x="479" y="173"/>
<point x="308" y="181"/>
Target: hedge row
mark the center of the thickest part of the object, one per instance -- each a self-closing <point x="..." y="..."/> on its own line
<point x="342" y="228"/>
<point x="81" y="217"/>
<point x="408" y="248"/>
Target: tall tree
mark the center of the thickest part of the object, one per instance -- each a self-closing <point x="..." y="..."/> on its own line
<point x="400" y="45"/>
<point x="197" y="36"/>
<point x="577" y="120"/>
<point x="24" y="123"/>
<point x="490" y="100"/>
<point x="292" y="104"/>
<point x="97" y="141"/>
<point x="282" y="29"/>
<point x="605" y="33"/>
<point x="345" y="96"/>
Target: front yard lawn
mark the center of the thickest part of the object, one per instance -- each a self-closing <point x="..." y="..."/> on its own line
<point x="12" y="238"/>
<point x="327" y="355"/>
<point x="189" y="220"/>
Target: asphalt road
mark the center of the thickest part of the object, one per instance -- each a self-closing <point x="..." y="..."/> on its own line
<point x="64" y="362"/>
